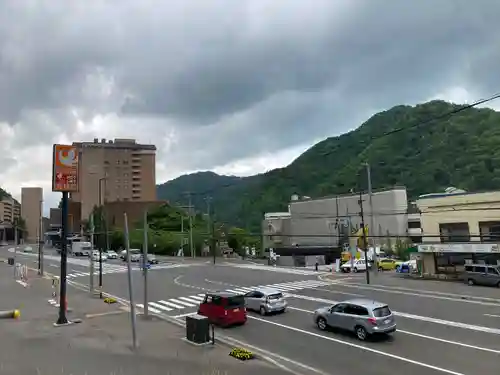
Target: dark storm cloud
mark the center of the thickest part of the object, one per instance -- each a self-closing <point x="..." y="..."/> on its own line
<point x="268" y="74"/>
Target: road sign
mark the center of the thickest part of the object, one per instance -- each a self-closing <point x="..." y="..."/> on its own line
<point x="65" y="168"/>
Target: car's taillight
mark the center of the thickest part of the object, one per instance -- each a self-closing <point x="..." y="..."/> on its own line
<point x="225" y="312"/>
<point x="372" y="321"/>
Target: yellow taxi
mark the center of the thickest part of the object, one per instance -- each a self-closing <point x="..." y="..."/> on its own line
<point x="386" y="264"/>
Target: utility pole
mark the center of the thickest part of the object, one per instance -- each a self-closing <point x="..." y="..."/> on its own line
<point x="372" y="215"/>
<point x="129" y="278"/>
<point x="91" y="284"/>
<point x="191" y="245"/>
<point x="365" y="241"/>
<point x="40" y="239"/>
<point x="15" y="248"/>
<point x="145" y="263"/>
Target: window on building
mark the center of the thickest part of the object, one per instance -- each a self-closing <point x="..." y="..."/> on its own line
<point x="489" y="231"/>
<point x="414" y="224"/>
<point x="454" y="232"/>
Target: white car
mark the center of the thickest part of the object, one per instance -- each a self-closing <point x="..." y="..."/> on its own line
<point x="111" y="254"/>
<point x="358" y="265"/>
<point x="95" y="256"/>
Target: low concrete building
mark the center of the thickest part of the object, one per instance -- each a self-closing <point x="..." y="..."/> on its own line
<point x="329" y="221"/>
<point x="459" y="227"/>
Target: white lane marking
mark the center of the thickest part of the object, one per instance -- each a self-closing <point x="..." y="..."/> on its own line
<point x="141" y="306"/>
<point x="182" y="303"/>
<point x="239" y="290"/>
<point x="54" y="265"/>
<point x="190" y="300"/>
<point x="197" y="298"/>
<point x="423" y="291"/>
<point x="423" y="295"/>
<point x="358" y="346"/>
<point x="451" y="342"/>
<point x="202" y="294"/>
<point x="174" y="305"/>
<point x="232" y="291"/>
<point x="492" y="315"/>
<point x="429" y="319"/>
<point x="158" y="306"/>
<point x="22" y="283"/>
<point x="246" y="289"/>
<point x="184" y="315"/>
<point x="337" y="292"/>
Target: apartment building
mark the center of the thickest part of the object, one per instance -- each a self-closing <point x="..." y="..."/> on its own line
<point x="113" y="171"/>
<point x="10" y="209"/>
<point x="31" y="211"/>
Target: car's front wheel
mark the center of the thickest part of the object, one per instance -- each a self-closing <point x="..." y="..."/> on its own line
<point x="321" y="323"/>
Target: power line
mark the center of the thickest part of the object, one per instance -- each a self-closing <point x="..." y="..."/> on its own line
<point x="385" y="134"/>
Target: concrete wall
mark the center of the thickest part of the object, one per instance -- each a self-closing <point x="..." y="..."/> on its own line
<point x="31" y="206"/>
<point x="313" y="222"/>
<point x="457" y="208"/>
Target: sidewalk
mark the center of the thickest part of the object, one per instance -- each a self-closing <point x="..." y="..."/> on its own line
<point x="101" y="344"/>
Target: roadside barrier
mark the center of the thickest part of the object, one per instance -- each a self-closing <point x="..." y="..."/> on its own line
<point x="10" y="314"/>
<point x="21" y="273"/>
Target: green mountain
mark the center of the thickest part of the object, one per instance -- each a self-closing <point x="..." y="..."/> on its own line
<point x="422" y="147"/>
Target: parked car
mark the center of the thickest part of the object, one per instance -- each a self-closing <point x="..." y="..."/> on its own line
<point x="363" y="317"/>
<point x="151" y="259"/>
<point x="482" y="274"/>
<point x="95" y="256"/>
<point x="111" y="254"/>
<point x="407" y="267"/>
<point x="135" y="255"/>
<point x="265" y="301"/>
<point x="358" y="265"/>
<point x="224" y="308"/>
<point x="386" y="264"/>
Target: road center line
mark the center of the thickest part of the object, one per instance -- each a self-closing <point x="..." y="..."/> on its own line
<point x="483" y="303"/>
<point x="451" y="342"/>
<point x="426" y="291"/>
<point x="361" y="347"/>
<point x="492" y="315"/>
<point x="429" y="319"/>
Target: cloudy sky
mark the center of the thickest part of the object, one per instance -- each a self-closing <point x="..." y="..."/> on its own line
<point x="237" y="87"/>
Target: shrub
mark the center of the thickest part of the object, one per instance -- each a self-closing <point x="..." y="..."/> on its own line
<point x="241" y="354"/>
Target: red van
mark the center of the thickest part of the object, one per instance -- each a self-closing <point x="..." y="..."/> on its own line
<point x="224" y="308"/>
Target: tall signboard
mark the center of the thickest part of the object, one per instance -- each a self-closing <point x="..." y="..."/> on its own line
<point x="65" y="181"/>
<point x="65" y="169"/>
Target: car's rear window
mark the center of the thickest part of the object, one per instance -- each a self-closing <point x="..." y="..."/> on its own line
<point x="236" y="301"/>
<point x="381" y="312"/>
<point x="275" y="296"/>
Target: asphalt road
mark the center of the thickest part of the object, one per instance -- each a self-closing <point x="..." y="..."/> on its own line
<point x="443" y="327"/>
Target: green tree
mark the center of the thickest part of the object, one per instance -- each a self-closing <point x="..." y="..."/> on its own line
<point x="236" y="240"/>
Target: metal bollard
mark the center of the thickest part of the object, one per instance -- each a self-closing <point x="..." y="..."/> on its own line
<point x="10" y="314"/>
<point x="213" y="334"/>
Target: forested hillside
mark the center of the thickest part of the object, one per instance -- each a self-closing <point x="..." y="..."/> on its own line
<point x="458" y="150"/>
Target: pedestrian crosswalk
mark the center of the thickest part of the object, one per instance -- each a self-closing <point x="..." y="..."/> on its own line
<point x="111" y="268"/>
<point x="263" y="267"/>
<point x="189" y="302"/>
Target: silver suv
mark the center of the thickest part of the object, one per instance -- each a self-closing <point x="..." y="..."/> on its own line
<point x="362" y="316"/>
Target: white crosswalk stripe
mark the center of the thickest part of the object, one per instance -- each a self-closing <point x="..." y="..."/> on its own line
<point x="112" y="268"/>
<point x="263" y="267"/>
<point x="189" y="302"/>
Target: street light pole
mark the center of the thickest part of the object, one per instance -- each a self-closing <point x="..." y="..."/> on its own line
<point x="101" y="207"/>
<point x="371" y="229"/>
<point x="40" y="239"/>
<point x="191" y="245"/>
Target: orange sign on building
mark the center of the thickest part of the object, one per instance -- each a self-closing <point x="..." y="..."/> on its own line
<point x="65" y="169"/>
